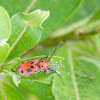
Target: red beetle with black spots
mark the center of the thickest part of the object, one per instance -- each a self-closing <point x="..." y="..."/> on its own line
<point x="29" y="68"/>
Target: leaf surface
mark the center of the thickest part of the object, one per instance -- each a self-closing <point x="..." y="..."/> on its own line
<point x="26" y="32"/>
<point x="5" y="29"/>
<point x="82" y="15"/>
<point x="77" y="82"/>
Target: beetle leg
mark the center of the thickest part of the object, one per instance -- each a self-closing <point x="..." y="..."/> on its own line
<point x="46" y="72"/>
<point x="53" y="71"/>
<point x="35" y="76"/>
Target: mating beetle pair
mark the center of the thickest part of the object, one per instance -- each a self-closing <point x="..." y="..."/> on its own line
<point x="29" y="68"/>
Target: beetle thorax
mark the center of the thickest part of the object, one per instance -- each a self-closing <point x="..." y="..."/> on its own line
<point x="44" y="65"/>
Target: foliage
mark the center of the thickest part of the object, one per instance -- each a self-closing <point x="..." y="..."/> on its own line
<point x="32" y="31"/>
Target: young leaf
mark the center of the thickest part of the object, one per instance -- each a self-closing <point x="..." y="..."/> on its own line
<point x="5" y="28"/>
<point x="26" y="32"/>
<point x="4" y="49"/>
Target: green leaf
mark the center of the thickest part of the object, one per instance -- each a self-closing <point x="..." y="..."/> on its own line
<point x="37" y="52"/>
<point x="79" y="69"/>
<point x="15" y="95"/>
<point x="26" y="32"/>
<point x="85" y="48"/>
<point x="8" y="87"/>
<point x="13" y="6"/>
<point x="60" y="11"/>
<point x="93" y="25"/>
<point x="4" y="49"/>
<point x="12" y="64"/>
<point x="87" y="58"/>
<point x="41" y="90"/>
<point x="68" y="15"/>
<point x="83" y="14"/>
<point x="5" y="28"/>
<point x="96" y="40"/>
<point x="76" y="86"/>
<point x="25" y="91"/>
<point x="1" y="98"/>
<point x="90" y="66"/>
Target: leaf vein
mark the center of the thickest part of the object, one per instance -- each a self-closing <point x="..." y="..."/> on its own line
<point x="30" y="6"/>
<point x="72" y="69"/>
<point x="16" y="41"/>
<point x="2" y="92"/>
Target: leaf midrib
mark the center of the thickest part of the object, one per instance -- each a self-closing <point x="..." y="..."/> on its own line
<point x="72" y="69"/>
<point x="2" y="92"/>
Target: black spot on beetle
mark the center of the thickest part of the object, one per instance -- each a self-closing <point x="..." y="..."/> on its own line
<point x="29" y="70"/>
<point x="42" y="66"/>
<point x="32" y="62"/>
<point x="21" y="71"/>
<point x="31" y="66"/>
<point x="42" y="60"/>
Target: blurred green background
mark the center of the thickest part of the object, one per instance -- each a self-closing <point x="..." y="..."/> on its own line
<point x="76" y="23"/>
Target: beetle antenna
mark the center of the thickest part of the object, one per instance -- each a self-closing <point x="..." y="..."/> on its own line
<point x="55" y="49"/>
<point x="53" y="71"/>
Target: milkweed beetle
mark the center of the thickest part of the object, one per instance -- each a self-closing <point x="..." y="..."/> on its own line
<point x="29" y="68"/>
